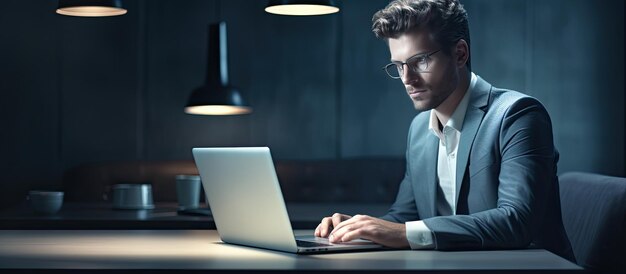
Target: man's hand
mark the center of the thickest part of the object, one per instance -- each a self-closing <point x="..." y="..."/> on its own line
<point x="370" y="228"/>
<point x="328" y="223"/>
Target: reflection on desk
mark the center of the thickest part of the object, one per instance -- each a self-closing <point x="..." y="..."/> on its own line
<point x="179" y="250"/>
<point x="163" y="216"/>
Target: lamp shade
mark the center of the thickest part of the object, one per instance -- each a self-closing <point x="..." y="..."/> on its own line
<point x="301" y="7"/>
<point x="217" y="96"/>
<point x="91" y="8"/>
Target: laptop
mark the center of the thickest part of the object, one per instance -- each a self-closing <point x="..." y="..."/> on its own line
<point x="247" y="204"/>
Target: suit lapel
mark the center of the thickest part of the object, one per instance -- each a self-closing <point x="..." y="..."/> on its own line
<point x="479" y="98"/>
<point x="431" y="150"/>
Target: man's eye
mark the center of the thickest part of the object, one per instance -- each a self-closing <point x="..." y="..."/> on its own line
<point x="417" y="61"/>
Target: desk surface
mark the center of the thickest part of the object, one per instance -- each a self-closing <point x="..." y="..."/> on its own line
<point x="176" y="250"/>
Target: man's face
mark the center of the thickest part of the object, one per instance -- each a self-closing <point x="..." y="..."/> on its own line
<point x="428" y="89"/>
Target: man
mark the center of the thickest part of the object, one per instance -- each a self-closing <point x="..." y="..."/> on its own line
<point x="481" y="164"/>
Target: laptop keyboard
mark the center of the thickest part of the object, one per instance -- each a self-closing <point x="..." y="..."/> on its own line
<point x="301" y="243"/>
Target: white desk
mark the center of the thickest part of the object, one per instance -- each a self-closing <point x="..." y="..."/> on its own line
<point x="180" y="250"/>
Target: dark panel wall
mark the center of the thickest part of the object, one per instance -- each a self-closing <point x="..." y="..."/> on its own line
<point x="578" y="71"/>
<point x="375" y="110"/>
<point x="30" y="99"/>
<point x="98" y="80"/>
<point x="78" y="90"/>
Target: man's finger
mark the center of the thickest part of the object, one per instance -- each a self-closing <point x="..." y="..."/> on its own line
<point x="317" y="230"/>
<point x="337" y="218"/>
<point x="353" y="234"/>
<point x="348" y="221"/>
<point x="352" y="229"/>
<point x="326" y="225"/>
<point x="343" y="228"/>
<point x="337" y="227"/>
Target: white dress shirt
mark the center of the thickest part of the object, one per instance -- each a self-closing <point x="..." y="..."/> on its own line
<point x="417" y="233"/>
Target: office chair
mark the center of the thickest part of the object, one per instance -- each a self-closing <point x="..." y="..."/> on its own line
<point x="594" y="216"/>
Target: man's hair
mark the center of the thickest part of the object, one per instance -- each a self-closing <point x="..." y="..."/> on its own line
<point x="445" y="19"/>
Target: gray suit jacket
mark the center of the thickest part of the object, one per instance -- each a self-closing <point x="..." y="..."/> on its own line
<point x="507" y="187"/>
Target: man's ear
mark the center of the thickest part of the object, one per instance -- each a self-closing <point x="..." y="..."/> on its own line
<point x="462" y="53"/>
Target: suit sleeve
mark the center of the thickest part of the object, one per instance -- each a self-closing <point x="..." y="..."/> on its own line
<point x="527" y="172"/>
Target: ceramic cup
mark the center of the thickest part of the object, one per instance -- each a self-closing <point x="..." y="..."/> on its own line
<point x="132" y="196"/>
<point x="45" y="202"/>
<point x="188" y="191"/>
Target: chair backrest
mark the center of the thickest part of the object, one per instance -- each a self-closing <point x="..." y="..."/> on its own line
<point x="594" y="216"/>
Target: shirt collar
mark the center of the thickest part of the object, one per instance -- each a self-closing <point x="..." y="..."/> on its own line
<point x="458" y="116"/>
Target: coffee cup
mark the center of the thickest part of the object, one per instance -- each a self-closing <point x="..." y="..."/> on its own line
<point x="132" y="196"/>
<point x="188" y="191"/>
<point x="45" y="202"/>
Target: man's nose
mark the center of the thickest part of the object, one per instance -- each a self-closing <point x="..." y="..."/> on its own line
<point x="409" y="76"/>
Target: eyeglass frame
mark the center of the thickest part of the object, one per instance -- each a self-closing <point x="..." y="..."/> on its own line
<point x="399" y="66"/>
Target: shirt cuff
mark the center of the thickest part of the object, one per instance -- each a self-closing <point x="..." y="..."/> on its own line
<point x="419" y="236"/>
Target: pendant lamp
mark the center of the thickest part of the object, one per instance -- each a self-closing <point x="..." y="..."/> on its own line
<point x="91" y="8"/>
<point x="301" y="7"/>
<point x="217" y="96"/>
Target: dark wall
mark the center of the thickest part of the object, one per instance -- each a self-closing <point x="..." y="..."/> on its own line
<point x="79" y="90"/>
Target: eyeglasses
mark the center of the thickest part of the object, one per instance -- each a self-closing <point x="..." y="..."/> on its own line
<point x="416" y="64"/>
